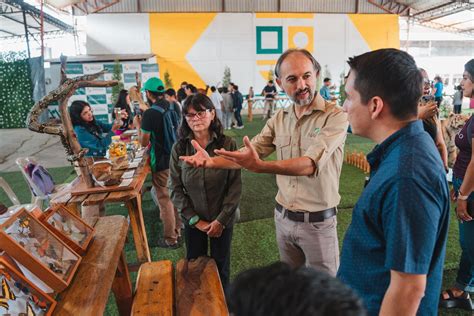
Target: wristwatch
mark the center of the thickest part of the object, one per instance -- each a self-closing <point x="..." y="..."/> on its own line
<point x="461" y="196"/>
<point x="193" y="220"/>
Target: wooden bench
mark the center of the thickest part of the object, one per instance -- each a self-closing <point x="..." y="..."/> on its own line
<point x="154" y="290"/>
<point x="198" y="289"/>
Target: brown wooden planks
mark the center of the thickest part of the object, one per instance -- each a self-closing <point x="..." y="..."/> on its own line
<point x="198" y="288"/>
<point x="154" y="290"/>
<point x="89" y="290"/>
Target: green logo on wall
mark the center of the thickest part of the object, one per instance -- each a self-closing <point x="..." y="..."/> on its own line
<point x="97" y="99"/>
<point x="110" y="68"/>
<point x="269" y="40"/>
<point x="74" y="69"/>
<point x="149" y="67"/>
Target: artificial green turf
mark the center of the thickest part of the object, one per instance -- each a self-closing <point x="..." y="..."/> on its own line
<point x="254" y="241"/>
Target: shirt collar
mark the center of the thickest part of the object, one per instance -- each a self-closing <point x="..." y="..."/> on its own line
<point x="318" y="104"/>
<point x="213" y="137"/>
<point x="380" y="151"/>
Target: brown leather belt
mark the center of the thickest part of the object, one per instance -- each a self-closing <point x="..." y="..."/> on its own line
<point x="312" y="216"/>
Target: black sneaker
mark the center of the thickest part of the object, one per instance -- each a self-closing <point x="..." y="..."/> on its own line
<point x="164" y="244"/>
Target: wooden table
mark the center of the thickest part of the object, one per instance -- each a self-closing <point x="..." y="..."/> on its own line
<point x="102" y="268"/>
<point x="131" y="197"/>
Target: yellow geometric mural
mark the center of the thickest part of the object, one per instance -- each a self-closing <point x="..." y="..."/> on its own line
<point x="172" y="36"/>
<point x="378" y="30"/>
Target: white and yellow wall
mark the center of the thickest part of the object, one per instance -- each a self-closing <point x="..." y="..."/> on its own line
<point x="196" y="47"/>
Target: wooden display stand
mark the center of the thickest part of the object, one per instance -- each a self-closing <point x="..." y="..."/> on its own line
<point x="39" y="260"/>
<point x="63" y="213"/>
<point x="11" y="277"/>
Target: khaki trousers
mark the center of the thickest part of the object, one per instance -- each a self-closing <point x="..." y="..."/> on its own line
<point x="311" y="244"/>
<point x="168" y="214"/>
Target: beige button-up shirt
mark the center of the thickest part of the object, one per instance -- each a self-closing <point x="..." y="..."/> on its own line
<point x="320" y="135"/>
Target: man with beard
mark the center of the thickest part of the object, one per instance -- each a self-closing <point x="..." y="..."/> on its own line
<point x="308" y="138"/>
<point x="151" y="131"/>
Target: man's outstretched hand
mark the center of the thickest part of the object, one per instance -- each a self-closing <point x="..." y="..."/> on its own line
<point x="200" y="159"/>
<point x="247" y="158"/>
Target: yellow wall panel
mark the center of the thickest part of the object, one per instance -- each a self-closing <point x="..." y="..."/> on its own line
<point x="378" y="30"/>
<point x="172" y="35"/>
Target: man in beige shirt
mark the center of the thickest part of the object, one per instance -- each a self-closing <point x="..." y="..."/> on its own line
<point x="308" y="138"/>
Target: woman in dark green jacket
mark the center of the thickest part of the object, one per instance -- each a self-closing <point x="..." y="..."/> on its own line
<point x="208" y="199"/>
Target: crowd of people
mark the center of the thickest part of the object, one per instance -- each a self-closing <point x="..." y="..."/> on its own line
<point x="393" y="251"/>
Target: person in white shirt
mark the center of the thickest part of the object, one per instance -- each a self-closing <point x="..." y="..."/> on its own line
<point x="218" y="102"/>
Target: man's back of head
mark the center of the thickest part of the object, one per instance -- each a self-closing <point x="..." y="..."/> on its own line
<point x="279" y="289"/>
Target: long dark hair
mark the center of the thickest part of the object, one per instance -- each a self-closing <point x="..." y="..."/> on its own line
<point x="200" y="102"/>
<point x="122" y="104"/>
<point x="75" y="113"/>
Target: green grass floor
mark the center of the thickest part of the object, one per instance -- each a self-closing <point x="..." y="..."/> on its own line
<point x="254" y="242"/>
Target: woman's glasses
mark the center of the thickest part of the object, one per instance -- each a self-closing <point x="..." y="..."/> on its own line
<point x="199" y="115"/>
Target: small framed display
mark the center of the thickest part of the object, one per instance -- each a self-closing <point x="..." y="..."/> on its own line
<point x="76" y="233"/>
<point x="19" y="296"/>
<point x="36" y="247"/>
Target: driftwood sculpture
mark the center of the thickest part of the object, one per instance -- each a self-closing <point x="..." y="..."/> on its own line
<point x="65" y="130"/>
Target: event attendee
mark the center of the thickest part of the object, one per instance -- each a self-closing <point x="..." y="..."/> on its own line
<point x="428" y="113"/>
<point x="438" y="90"/>
<point x="250" y="99"/>
<point x="151" y="131"/>
<point x="124" y="104"/>
<point x="228" y="112"/>
<point x="394" y="248"/>
<point x="170" y="96"/>
<point x="269" y="92"/>
<point x="208" y="201"/>
<point x="92" y="134"/>
<point x="281" y="290"/>
<point x="308" y="138"/>
<point x="457" y="100"/>
<point x="237" y="101"/>
<point x="218" y="102"/>
<point x="325" y="90"/>
<point x="181" y="93"/>
<point x="463" y="186"/>
<point x="190" y="90"/>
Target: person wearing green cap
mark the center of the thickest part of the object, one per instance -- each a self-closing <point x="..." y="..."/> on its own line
<point x="151" y="131"/>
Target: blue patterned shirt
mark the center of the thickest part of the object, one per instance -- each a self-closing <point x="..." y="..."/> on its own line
<point x="400" y="221"/>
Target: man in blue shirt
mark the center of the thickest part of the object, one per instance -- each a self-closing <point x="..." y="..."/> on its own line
<point x="325" y="91"/>
<point x="438" y="90"/>
<point x="394" y="249"/>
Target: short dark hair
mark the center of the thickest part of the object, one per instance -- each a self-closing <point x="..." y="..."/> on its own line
<point x="192" y="88"/>
<point x="279" y="289"/>
<point x="213" y="89"/>
<point x="225" y="90"/>
<point x="326" y="79"/>
<point x="184" y="83"/>
<point x="171" y="92"/>
<point x="290" y="51"/>
<point x="198" y="102"/>
<point x="236" y="87"/>
<point x="269" y="81"/>
<point x="438" y="78"/>
<point x="392" y="75"/>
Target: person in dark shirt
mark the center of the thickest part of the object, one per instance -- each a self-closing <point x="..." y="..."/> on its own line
<point x="208" y="201"/>
<point x="237" y="101"/>
<point x="463" y="187"/>
<point x="181" y="92"/>
<point x="394" y="249"/>
<point x="151" y="131"/>
<point x="269" y="92"/>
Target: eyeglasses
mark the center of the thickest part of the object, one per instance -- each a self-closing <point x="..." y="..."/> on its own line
<point x="199" y="115"/>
